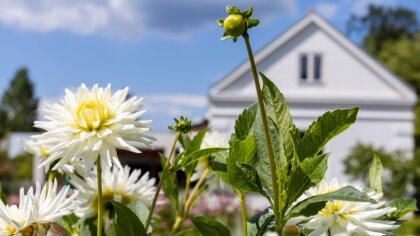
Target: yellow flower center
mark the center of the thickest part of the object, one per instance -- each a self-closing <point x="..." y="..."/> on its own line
<point x="10" y="230"/>
<point x="90" y="115"/>
<point x="332" y="207"/>
<point x="44" y="152"/>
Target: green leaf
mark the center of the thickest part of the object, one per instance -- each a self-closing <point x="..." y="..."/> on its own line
<point x="261" y="222"/>
<point x="263" y="164"/>
<point x="324" y="129"/>
<point x="68" y="222"/>
<point x="199" y="154"/>
<point x="278" y="111"/>
<point x="195" y="143"/>
<point x="247" y="13"/>
<point x="220" y="22"/>
<point x="244" y="123"/>
<point x="170" y="185"/>
<point x="219" y="167"/>
<point x="2" y="195"/>
<point x="315" y="167"/>
<point x="141" y="210"/>
<point x="209" y="227"/>
<point x="241" y="173"/>
<point x="252" y="23"/>
<point x="307" y="174"/>
<point x="404" y="206"/>
<point x="225" y="36"/>
<point x="126" y="222"/>
<point x="375" y="174"/>
<point x="185" y="140"/>
<point x="314" y="204"/>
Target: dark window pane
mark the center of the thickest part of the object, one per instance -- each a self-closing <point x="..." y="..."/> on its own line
<point x="304" y="67"/>
<point x="317" y="67"/>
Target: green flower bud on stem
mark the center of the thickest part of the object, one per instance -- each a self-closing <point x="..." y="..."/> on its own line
<point x="234" y="25"/>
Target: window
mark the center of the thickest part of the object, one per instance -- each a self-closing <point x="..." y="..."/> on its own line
<point x="310" y="67"/>
<point x="317" y="67"/>
<point x="304" y="67"/>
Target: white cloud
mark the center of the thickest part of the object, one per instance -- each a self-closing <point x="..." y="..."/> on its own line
<point x="175" y="104"/>
<point x="126" y="19"/>
<point x="326" y="9"/>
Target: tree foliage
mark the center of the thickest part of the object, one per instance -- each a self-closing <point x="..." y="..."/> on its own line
<point x="380" y="25"/>
<point x="18" y="109"/>
<point x="398" y="173"/>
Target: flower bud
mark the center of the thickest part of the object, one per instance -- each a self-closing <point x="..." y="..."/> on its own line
<point x="234" y="25"/>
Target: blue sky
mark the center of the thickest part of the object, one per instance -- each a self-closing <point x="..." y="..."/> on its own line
<point x="168" y="52"/>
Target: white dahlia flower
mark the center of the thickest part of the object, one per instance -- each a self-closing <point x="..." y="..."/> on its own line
<point x="345" y="218"/>
<point x="37" y="210"/>
<point x="212" y="139"/>
<point x="91" y="124"/>
<point x="42" y="151"/>
<point x="117" y="184"/>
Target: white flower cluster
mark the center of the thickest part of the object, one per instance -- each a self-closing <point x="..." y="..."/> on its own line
<point x="118" y="185"/>
<point x="36" y="211"/>
<point x="344" y="218"/>
<point x="86" y="127"/>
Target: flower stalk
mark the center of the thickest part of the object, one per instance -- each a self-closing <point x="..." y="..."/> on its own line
<point x="100" y="200"/>
<point x="165" y="170"/>
<point x="241" y="197"/>
<point x="268" y="141"/>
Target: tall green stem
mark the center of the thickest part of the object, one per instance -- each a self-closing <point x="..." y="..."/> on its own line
<point x="165" y="169"/>
<point x="267" y="137"/>
<point x="241" y="198"/>
<point x="100" y="200"/>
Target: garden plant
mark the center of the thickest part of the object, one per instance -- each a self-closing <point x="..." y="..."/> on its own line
<point x="265" y="155"/>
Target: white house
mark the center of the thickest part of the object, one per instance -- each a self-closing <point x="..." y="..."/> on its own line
<point x="319" y="69"/>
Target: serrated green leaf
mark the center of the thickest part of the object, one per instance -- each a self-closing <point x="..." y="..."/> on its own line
<point x="263" y="164"/>
<point x="278" y="111"/>
<point x="244" y="124"/>
<point x="141" y="210"/>
<point x="260" y="223"/>
<point x="324" y="129"/>
<point x="126" y="222"/>
<point x="375" y="174"/>
<point x="241" y="173"/>
<point x="404" y="206"/>
<point x="209" y="227"/>
<point x="312" y="205"/>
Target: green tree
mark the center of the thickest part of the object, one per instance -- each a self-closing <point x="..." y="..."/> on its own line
<point x="392" y="36"/>
<point x="18" y="104"/>
<point x="399" y="175"/>
<point x="381" y="24"/>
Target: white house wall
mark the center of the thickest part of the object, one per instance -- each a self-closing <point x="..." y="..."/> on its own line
<point x="343" y="76"/>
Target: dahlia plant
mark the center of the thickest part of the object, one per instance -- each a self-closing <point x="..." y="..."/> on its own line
<point x="265" y="155"/>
